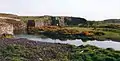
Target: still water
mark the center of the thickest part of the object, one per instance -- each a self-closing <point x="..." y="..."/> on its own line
<point x="77" y="42"/>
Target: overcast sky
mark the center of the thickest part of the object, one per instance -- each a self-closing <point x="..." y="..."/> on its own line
<point x="89" y="9"/>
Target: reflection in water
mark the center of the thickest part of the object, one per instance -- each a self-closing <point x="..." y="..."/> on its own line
<point x="105" y="44"/>
<point x="77" y="42"/>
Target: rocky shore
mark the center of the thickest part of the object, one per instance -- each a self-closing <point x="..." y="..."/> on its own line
<point x="28" y="50"/>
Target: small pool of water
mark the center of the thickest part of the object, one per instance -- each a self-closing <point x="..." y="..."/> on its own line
<point x="77" y="42"/>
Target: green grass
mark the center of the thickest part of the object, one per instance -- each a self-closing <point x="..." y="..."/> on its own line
<point x="26" y="50"/>
<point x="92" y="53"/>
<point x="113" y="34"/>
<point x="80" y="28"/>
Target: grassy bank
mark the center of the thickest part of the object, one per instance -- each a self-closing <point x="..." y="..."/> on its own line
<point x="109" y="33"/>
<point x="27" y="50"/>
<point x="85" y="34"/>
<point x="92" y="53"/>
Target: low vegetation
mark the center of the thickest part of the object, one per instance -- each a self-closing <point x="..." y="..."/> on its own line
<point x="6" y="36"/>
<point x="85" y="34"/>
<point x="27" y="50"/>
<point x="92" y="53"/>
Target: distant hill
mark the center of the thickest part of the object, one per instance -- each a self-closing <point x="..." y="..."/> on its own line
<point x="112" y="20"/>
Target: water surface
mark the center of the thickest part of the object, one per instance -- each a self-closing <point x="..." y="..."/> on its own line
<point x="77" y="42"/>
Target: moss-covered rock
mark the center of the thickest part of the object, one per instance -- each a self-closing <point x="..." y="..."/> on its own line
<point x="6" y="36"/>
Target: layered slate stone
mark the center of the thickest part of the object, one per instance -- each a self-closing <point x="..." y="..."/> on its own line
<point x="6" y="28"/>
<point x="9" y="23"/>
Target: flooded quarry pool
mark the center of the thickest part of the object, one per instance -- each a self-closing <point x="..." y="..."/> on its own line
<point x="77" y="42"/>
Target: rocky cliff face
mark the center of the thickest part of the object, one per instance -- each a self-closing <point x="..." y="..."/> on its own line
<point x="53" y="20"/>
<point x="64" y="20"/>
<point x="74" y="20"/>
<point x="6" y="28"/>
<point x="12" y="21"/>
<point x="12" y="28"/>
<point x="19" y="27"/>
<point x="18" y="24"/>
